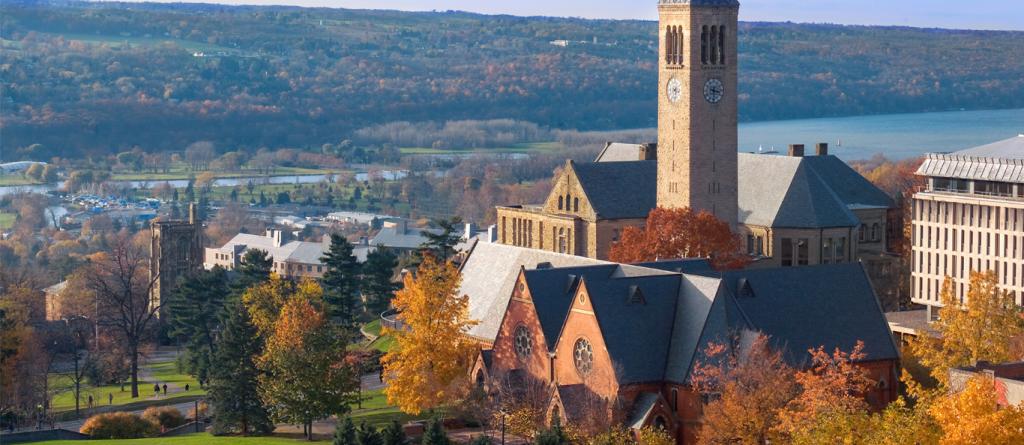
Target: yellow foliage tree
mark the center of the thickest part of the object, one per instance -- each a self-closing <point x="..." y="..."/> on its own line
<point x="983" y="330"/>
<point x="265" y="300"/>
<point x="972" y="416"/>
<point x="428" y="364"/>
<point x="831" y="386"/>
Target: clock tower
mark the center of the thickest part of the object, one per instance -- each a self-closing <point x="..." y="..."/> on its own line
<point x="697" y="107"/>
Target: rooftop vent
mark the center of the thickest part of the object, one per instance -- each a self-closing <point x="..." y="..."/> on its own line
<point x="544" y="265"/>
<point x="636" y="296"/>
<point x="571" y="284"/>
<point x="743" y="289"/>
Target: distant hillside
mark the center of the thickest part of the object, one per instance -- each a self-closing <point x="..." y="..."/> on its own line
<point x="103" y="77"/>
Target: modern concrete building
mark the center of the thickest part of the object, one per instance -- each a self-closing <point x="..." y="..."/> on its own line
<point x="969" y="218"/>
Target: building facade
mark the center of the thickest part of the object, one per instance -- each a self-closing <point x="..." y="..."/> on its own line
<point x="969" y="218"/>
<point x="176" y="250"/>
<point x="291" y="259"/>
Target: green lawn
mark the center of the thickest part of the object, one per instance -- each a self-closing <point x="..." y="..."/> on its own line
<point x="377" y="412"/>
<point x="531" y="147"/>
<point x="15" y="179"/>
<point x="163" y="372"/>
<point x="191" y="439"/>
<point x="383" y="343"/>
<point x="373" y="328"/>
<point x="7" y="220"/>
<point x="182" y="171"/>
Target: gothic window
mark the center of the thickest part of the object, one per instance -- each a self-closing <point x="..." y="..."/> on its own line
<point x="721" y="45"/>
<point x="714" y="45"/>
<point x="575" y="204"/>
<point x="861" y="232"/>
<point x="675" y="399"/>
<point x="660" y="423"/>
<point x="583" y="356"/>
<point x="802" y="257"/>
<point x="704" y="44"/>
<point x="523" y="342"/>
<point x="560" y="202"/>
<point x="561" y="240"/>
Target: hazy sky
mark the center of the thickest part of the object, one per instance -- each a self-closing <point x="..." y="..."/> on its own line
<point x="972" y="14"/>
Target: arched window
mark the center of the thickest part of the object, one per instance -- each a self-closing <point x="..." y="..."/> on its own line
<point x="560" y="203"/>
<point x="561" y="240"/>
<point x="480" y="379"/>
<point x="679" y="46"/>
<point x="714" y="45"/>
<point x="668" y="45"/>
<point x="675" y="399"/>
<point x="661" y="423"/>
<point x="575" y="204"/>
<point x="861" y="232"/>
<point x="721" y="45"/>
<point x="704" y="44"/>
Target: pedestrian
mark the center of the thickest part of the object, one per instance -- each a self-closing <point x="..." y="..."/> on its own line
<point x="186" y="387"/>
<point x="165" y="389"/>
<point x="110" y="398"/>
<point x="156" y="388"/>
<point x="90" y="401"/>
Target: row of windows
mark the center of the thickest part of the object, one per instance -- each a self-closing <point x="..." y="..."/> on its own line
<point x="563" y="203"/>
<point x="930" y="289"/>
<point x="674" y="45"/>
<point x="1011" y="273"/>
<point x="222" y="256"/>
<point x="796" y="252"/>
<point x="967" y="241"/>
<point x="289" y="267"/>
<point x="981" y="216"/>
<point x="522" y="232"/>
<point x="872" y="234"/>
<point x="988" y="188"/>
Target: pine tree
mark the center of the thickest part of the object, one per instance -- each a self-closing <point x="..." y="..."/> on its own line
<point x="368" y="435"/>
<point x="193" y="313"/>
<point x="434" y="434"/>
<point x="341" y="281"/>
<point x="345" y="432"/>
<point x="254" y="269"/>
<point x="393" y="434"/>
<point x="237" y="406"/>
<point x="442" y="245"/>
<point x="378" y="287"/>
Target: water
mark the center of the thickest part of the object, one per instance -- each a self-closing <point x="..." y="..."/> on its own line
<point x="897" y="136"/>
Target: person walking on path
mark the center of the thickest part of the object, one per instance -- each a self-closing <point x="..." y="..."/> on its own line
<point x="156" y="389"/>
<point x="186" y="387"/>
<point x="165" y="389"/>
<point x="90" y="401"/>
<point x="110" y="398"/>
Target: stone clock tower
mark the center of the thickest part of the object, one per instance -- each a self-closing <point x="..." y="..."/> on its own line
<point x="697" y="134"/>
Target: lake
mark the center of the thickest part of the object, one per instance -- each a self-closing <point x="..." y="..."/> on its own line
<point x="897" y="136"/>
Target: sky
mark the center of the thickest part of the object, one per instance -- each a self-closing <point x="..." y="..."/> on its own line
<point x="971" y="14"/>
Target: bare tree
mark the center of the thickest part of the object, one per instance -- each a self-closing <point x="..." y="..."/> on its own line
<point x="121" y="283"/>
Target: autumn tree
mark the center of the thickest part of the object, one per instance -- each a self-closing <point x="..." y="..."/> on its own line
<point x="680" y="233"/>
<point x="981" y="328"/>
<point x="747" y="389"/>
<point x="427" y="365"/>
<point x="832" y="384"/>
<point x="973" y="416"/>
<point x="120" y="281"/>
<point x="305" y="376"/>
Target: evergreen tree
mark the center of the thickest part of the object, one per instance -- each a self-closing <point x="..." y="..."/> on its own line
<point x="203" y="208"/>
<point x="552" y="436"/>
<point x="175" y="197"/>
<point x="442" y="245"/>
<point x="192" y="312"/>
<point x="263" y="199"/>
<point x="255" y="268"/>
<point x="233" y="393"/>
<point x="175" y="210"/>
<point x="377" y="284"/>
<point x="345" y="432"/>
<point x="482" y="440"/>
<point x="434" y="434"/>
<point x="393" y="434"/>
<point x="341" y="281"/>
<point x="368" y="435"/>
<point x="190" y="190"/>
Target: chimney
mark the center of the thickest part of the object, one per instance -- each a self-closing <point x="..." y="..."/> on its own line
<point x="492" y="233"/>
<point x="649" y="152"/>
<point x="821" y="149"/>
<point x="469" y="232"/>
<point x="193" y="213"/>
<point x="796" y="150"/>
<point x="278" y="236"/>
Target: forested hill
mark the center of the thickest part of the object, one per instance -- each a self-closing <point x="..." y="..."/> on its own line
<point x="107" y="76"/>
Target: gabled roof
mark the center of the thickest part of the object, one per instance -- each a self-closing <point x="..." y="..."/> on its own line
<point x="852" y="188"/>
<point x="1001" y="161"/>
<point x="620" y="152"/>
<point x="784" y="191"/>
<point x="806" y="307"/>
<point x="1012" y="148"/>
<point x="618" y="190"/>
<point x="489" y="275"/>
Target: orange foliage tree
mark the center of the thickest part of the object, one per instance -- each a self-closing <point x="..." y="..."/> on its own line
<point x="680" y="233"/>
<point x="833" y="384"/>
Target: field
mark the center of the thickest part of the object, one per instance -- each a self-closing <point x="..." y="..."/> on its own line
<point x="14" y="179"/>
<point x="533" y="147"/>
<point x="7" y="220"/>
<point x="182" y="171"/>
<point x="191" y="439"/>
<point x="383" y="343"/>
<point x="161" y="372"/>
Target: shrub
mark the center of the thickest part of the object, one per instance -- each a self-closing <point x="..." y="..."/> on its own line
<point x="166" y="417"/>
<point x="394" y="434"/>
<point x="204" y="411"/>
<point x="119" y="425"/>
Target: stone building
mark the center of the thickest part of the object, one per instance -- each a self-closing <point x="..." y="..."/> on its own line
<point x="176" y="250"/>
<point x="626" y="338"/>
<point x="969" y="218"/>
<point x="291" y="258"/>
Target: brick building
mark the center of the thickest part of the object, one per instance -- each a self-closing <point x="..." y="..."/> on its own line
<point x="627" y="337"/>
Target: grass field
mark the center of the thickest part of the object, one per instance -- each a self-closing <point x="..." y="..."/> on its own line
<point x="182" y="171"/>
<point x="191" y="439"/>
<point x="531" y="147"/>
<point x="162" y="372"/>
<point x="7" y="179"/>
<point x="383" y="343"/>
<point x="377" y="412"/>
<point x="7" y="220"/>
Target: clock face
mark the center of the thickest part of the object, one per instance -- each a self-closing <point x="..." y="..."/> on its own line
<point x="675" y="90"/>
<point x="713" y="90"/>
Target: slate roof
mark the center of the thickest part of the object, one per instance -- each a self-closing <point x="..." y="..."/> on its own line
<point x="806" y="307"/>
<point x="296" y="251"/>
<point x="619" y="152"/>
<point x="1001" y="161"/>
<point x="619" y="190"/>
<point x="552" y="292"/>
<point x="489" y="274"/>
<point x="784" y="191"/>
<point x="851" y="187"/>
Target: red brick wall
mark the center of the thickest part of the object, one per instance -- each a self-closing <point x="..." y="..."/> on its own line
<point x="582" y="323"/>
<point x="521" y="312"/>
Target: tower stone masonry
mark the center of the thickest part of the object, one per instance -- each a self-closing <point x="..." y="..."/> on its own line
<point x="697" y="106"/>
<point x="176" y="250"/>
